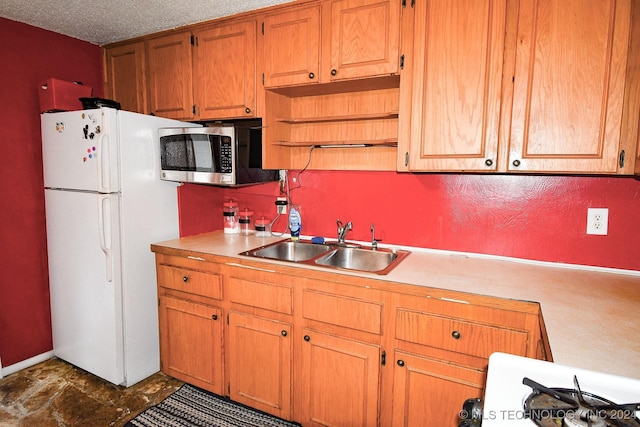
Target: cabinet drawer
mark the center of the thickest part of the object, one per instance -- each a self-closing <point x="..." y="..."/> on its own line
<point x="269" y="296"/>
<point x="458" y="335"/>
<point x="342" y="311"/>
<point x="191" y="281"/>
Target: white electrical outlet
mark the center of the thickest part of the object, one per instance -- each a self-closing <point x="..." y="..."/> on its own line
<point x="281" y="209"/>
<point x="597" y="221"/>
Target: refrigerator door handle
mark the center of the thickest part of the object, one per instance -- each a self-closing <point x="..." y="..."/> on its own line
<point x="104" y="170"/>
<point x="104" y="226"/>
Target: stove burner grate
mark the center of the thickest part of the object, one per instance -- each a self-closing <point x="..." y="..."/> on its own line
<point x="562" y="407"/>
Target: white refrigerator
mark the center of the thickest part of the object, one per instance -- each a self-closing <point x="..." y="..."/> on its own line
<point x="105" y="204"/>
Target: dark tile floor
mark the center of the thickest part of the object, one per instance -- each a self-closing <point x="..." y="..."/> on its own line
<point x="54" y="393"/>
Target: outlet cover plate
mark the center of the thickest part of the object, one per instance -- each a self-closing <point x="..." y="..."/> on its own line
<point x="598" y="221"/>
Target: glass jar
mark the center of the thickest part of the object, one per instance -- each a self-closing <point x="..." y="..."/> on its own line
<point x="246" y="221"/>
<point x="263" y="227"/>
<point x="230" y="217"/>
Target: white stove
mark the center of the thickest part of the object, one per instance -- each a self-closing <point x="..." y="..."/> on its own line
<point x="506" y="394"/>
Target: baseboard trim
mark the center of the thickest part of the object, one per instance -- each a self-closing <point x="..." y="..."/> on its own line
<point x="8" y="370"/>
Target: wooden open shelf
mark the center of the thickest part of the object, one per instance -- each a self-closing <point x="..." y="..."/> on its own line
<point x="340" y="144"/>
<point x="333" y="130"/>
<point x="346" y="118"/>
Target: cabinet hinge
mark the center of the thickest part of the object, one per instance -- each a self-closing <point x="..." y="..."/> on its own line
<point x="194" y="109"/>
<point x="227" y="318"/>
<point x="406" y="158"/>
<point x="262" y="79"/>
<point x="404" y="3"/>
<point x="383" y="358"/>
<point x="263" y="28"/>
<point x="194" y="41"/>
<point x="621" y="161"/>
<point x="229" y="389"/>
<point x="402" y="62"/>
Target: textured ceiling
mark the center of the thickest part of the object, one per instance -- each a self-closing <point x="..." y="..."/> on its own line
<point x="107" y="21"/>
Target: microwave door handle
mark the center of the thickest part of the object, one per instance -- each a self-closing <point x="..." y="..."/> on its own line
<point x="103" y="199"/>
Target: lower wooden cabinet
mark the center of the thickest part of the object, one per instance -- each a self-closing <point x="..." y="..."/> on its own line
<point x="191" y="342"/>
<point x="429" y="392"/>
<point x="259" y="355"/>
<point x="333" y="350"/>
<point x="339" y="381"/>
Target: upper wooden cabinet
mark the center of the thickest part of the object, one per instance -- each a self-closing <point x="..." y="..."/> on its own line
<point x="125" y="76"/>
<point x="529" y="86"/>
<point x="224" y="70"/>
<point x="205" y="74"/>
<point x="292" y="47"/>
<point x="453" y="115"/>
<point x="170" y="78"/>
<point x="569" y="85"/>
<point x="330" y="41"/>
<point x="364" y="38"/>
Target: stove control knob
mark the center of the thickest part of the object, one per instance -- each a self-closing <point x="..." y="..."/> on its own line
<point x="471" y="413"/>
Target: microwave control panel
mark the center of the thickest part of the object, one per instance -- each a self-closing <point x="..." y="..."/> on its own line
<point x="226" y="155"/>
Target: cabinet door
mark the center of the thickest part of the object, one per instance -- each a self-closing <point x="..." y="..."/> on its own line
<point x="259" y="362"/>
<point x="339" y="380"/>
<point x="428" y="392"/>
<point x="569" y="85"/>
<point x="191" y="342"/>
<point x="225" y="71"/>
<point x="292" y="47"/>
<point x="170" y="76"/>
<point x="455" y="107"/>
<point x="365" y="35"/>
<point x="125" y="75"/>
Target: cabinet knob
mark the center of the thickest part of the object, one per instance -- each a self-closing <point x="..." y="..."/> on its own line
<point x="456" y="335"/>
<point x="185" y="279"/>
<point x="214" y="317"/>
<point x="283" y="333"/>
<point x="488" y="162"/>
<point x="247" y="110"/>
<point x="516" y="163"/>
<point x="334" y="72"/>
<point x="400" y="362"/>
<point x="311" y="75"/>
<point x="307" y="338"/>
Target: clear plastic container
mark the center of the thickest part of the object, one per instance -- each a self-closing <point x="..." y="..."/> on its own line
<point x="230" y="217"/>
<point x="246" y="221"/>
<point x="263" y="227"/>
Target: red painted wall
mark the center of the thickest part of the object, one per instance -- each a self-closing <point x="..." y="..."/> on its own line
<point x="534" y="217"/>
<point x="28" y="56"/>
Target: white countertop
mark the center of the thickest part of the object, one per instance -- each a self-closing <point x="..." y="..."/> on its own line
<point x="592" y="316"/>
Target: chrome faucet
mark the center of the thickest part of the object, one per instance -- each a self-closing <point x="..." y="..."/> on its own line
<point x="374" y="241"/>
<point x="343" y="229"/>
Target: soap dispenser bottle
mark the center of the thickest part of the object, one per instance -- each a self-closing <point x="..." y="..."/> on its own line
<point x="295" y="223"/>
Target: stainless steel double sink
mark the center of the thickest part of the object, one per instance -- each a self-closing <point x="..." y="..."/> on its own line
<point x="331" y="255"/>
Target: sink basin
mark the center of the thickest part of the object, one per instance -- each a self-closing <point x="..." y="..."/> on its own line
<point x="330" y="255"/>
<point x="289" y="251"/>
<point x="379" y="261"/>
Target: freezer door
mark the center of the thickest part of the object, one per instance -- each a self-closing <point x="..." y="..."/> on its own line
<point x="79" y="150"/>
<point x="84" y="278"/>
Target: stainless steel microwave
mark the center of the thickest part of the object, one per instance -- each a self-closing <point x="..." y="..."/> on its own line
<point x="220" y="154"/>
